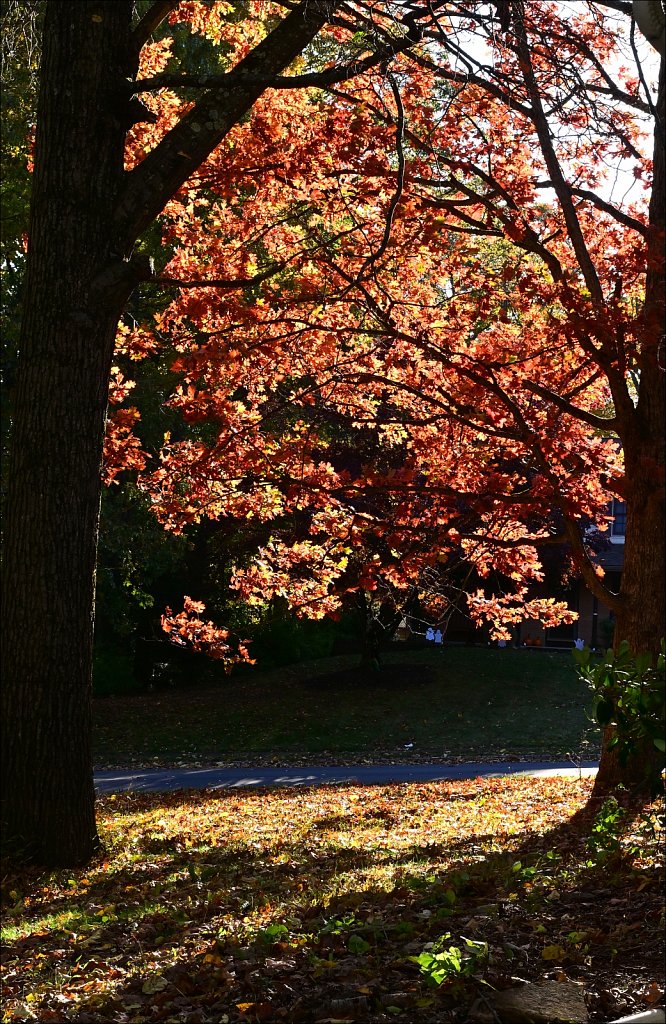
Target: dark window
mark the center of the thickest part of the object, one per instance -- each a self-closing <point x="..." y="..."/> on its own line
<point x="619" y="513"/>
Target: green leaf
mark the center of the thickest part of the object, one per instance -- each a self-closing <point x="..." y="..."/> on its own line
<point x="643" y="663"/>
<point x="582" y="658"/>
<point x="604" y="712"/>
<point x="356" y="944"/>
<point x="272" y="933"/>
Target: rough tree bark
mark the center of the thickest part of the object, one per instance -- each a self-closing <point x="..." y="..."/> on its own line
<point x="86" y="214"/>
<point x="66" y="345"/>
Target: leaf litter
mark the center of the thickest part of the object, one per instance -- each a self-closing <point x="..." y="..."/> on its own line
<point x="401" y="902"/>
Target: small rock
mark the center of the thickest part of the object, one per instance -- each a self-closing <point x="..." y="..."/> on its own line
<point x="546" y="1002"/>
<point x="23" y="1012"/>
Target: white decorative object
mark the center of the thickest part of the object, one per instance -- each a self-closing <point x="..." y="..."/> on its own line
<point x="657" y="1016"/>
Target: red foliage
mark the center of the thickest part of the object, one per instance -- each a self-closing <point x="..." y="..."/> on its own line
<point x="186" y="627"/>
<point x="396" y="278"/>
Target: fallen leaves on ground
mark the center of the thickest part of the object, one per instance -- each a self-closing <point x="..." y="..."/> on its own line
<point x="350" y="904"/>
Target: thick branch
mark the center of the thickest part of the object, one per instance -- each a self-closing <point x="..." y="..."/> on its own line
<point x="598" y="422"/>
<point x="619" y="94"/>
<point x="588" y="569"/>
<point x="150" y="185"/>
<point x="552" y="163"/>
<point x="623" y="6"/>
<point x="221" y="283"/>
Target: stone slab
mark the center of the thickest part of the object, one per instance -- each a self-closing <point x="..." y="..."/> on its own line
<point x="545" y="1002"/>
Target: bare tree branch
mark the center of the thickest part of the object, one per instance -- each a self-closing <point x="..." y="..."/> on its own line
<point x="602" y="204"/>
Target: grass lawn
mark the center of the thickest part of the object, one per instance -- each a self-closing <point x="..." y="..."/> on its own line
<point x="455" y="703"/>
<point x="371" y="904"/>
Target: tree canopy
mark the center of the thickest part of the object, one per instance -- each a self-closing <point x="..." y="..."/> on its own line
<point x="428" y="258"/>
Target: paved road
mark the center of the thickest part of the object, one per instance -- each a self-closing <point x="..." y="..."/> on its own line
<point x="149" y="780"/>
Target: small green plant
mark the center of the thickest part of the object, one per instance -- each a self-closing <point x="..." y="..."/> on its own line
<point x="523" y="873"/>
<point x="272" y="933"/>
<point x="339" y="925"/>
<point x="543" y="868"/>
<point x="342" y="926"/>
<point x="357" y="944"/>
<point x="405" y="928"/>
<point x="450" y="963"/>
<point x="605" y="842"/>
<point x="448" y="909"/>
<point x="628" y="695"/>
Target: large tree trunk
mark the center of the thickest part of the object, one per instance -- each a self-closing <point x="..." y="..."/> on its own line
<point x="641" y="619"/>
<point x="59" y="411"/>
<point x="86" y="213"/>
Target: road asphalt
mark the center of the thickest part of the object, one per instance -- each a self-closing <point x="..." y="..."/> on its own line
<point x="164" y="780"/>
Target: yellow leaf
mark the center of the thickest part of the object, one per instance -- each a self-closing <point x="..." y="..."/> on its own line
<point x="553" y="953"/>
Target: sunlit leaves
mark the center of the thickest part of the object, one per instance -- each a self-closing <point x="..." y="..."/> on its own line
<point x="460" y="360"/>
<point x="231" y="903"/>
